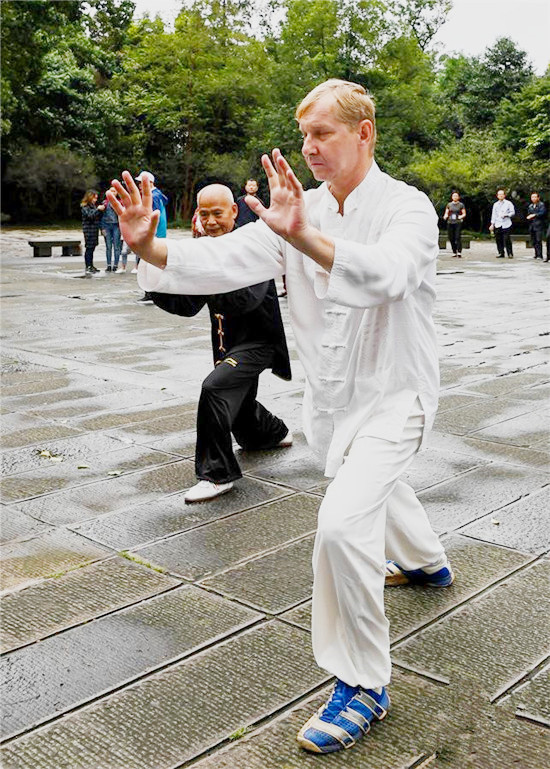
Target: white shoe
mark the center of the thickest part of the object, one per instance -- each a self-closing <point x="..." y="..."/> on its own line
<point x="287" y="440"/>
<point x="204" y="490"/>
<point x="134" y="271"/>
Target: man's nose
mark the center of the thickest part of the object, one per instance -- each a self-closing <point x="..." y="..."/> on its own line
<point x="308" y="147"/>
<point x="211" y="219"/>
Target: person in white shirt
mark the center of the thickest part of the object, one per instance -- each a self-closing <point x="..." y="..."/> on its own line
<point x="359" y="253"/>
<point x="501" y="224"/>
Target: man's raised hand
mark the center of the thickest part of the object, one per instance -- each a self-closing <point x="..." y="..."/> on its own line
<point x="286" y="214"/>
<point x="138" y="222"/>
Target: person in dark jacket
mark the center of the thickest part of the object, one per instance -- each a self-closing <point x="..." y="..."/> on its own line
<point x="247" y="338"/>
<point x="91" y="214"/>
<point x="245" y="214"/>
<point x="536" y="214"/>
<point x="159" y="204"/>
<point x="111" y="233"/>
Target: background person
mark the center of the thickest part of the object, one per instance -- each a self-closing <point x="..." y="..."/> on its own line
<point x="247" y="338"/>
<point x="91" y="214"/>
<point x="245" y="214"/>
<point x="159" y="204"/>
<point x="536" y="215"/>
<point x="501" y="224"/>
<point x="111" y="232"/>
<point x="454" y="215"/>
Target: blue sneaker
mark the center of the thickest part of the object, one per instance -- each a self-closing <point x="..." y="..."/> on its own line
<point x="344" y="719"/>
<point x="395" y="575"/>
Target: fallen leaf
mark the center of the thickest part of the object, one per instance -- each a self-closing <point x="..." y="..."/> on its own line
<point x="114" y="472"/>
<point x="44" y="453"/>
<point x="495" y="521"/>
<point x="83" y="467"/>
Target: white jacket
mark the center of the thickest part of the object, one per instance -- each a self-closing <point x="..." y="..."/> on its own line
<point x="364" y="332"/>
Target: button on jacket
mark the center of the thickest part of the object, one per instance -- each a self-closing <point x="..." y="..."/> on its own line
<point x="364" y="331"/>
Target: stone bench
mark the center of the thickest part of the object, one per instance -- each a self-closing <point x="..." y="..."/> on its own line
<point x="43" y="247"/>
<point x="519" y="238"/>
<point x="443" y="241"/>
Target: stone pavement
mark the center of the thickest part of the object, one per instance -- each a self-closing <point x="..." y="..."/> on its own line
<point x="141" y="632"/>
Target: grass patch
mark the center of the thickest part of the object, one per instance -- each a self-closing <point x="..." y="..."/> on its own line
<point x="142" y="562"/>
<point x="238" y="733"/>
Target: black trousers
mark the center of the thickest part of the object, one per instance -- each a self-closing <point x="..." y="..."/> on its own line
<point x="228" y="405"/>
<point x="536" y="241"/>
<point x="502" y="236"/>
<point x="89" y="256"/>
<point x="455" y="237"/>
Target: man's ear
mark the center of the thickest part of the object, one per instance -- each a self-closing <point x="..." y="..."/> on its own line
<point x="235" y="210"/>
<point x="366" y="131"/>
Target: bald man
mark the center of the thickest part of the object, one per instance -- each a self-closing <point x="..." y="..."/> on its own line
<point x="247" y="338"/>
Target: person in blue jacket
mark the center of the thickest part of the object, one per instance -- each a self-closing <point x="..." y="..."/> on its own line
<point x="111" y="232"/>
<point x="159" y="204"/>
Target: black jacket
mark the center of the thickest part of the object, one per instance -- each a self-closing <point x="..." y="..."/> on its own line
<point x="245" y="214"/>
<point x="539" y="209"/>
<point x="247" y="316"/>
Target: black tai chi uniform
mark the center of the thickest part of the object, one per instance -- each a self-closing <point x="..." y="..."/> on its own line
<point x="247" y="338"/>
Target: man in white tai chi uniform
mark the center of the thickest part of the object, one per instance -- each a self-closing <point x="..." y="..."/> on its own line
<point x="359" y="253"/>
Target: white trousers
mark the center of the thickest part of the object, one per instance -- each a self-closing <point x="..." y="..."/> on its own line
<point x="367" y="515"/>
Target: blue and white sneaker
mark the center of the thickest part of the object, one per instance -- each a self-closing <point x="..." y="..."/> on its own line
<point x="395" y="575"/>
<point x="344" y="719"/>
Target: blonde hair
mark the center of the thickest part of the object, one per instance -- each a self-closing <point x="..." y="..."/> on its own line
<point x="88" y="197"/>
<point x="353" y="103"/>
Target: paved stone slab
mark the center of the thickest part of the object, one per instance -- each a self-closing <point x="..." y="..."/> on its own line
<point x="80" y="504"/>
<point x="272" y="583"/>
<point x="19" y="389"/>
<point x="44" y="556"/>
<point x="73" y="667"/>
<point x="524" y="525"/>
<point x="68" y="408"/>
<point x="181" y="444"/>
<point x="156" y="723"/>
<point x="432" y="466"/>
<point x="511" y="385"/>
<point x="15" y="525"/>
<point x="17" y="373"/>
<point x="114" y="419"/>
<point x="296" y="466"/>
<point x="221" y="544"/>
<point x="476" y="566"/>
<point x="491" y="640"/>
<point x="472" y="495"/>
<point x="482" y="414"/>
<point x="70" y="473"/>
<point x="475" y="446"/>
<point x="450" y="400"/>
<point x="39" y="430"/>
<point x="527" y="430"/>
<point x="145" y="432"/>
<point x="81" y="447"/>
<point x="76" y="597"/>
<point x="531" y="700"/>
<point x="158" y="518"/>
<point x="458" y="731"/>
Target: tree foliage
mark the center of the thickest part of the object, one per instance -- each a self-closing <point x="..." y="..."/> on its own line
<point x="87" y="91"/>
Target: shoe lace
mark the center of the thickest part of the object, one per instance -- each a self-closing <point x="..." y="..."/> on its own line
<point x="339" y="698"/>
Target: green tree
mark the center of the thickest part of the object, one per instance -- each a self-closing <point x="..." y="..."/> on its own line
<point x="473" y="88"/>
<point x="49" y="180"/>
<point x="523" y="123"/>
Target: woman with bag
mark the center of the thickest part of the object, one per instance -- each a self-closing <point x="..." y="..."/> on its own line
<point x="91" y="214"/>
